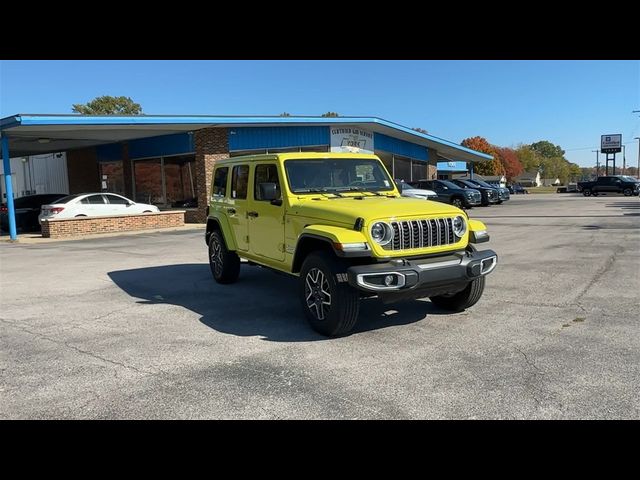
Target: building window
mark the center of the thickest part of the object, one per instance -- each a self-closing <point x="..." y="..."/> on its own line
<point x="180" y="182"/>
<point x="166" y="181"/>
<point x="112" y="174"/>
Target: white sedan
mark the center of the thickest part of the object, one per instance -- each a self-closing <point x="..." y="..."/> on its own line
<point x="93" y="205"/>
<point x="407" y="190"/>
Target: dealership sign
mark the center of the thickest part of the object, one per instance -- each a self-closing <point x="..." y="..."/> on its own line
<point x="351" y="139"/>
<point x="611" y="143"/>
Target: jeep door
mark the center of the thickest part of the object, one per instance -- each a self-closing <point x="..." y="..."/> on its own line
<point x="237" y="208"/>
<point x="266" y="217"/>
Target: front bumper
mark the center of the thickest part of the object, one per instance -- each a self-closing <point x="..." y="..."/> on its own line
<point x="425" y="276"/>
<point x="473" y="201"/>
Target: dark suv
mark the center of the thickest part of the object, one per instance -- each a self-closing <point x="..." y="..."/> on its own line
<point x="27" y="211"/>
<point x="503" y="193"/>
<point x="451" y="193"/>
<point x="490" y="196"/>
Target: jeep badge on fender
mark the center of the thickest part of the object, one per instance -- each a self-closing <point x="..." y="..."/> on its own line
<point x="338" y="223"/>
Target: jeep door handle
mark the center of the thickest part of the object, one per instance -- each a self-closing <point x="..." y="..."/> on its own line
<point x="252" y="214"/>
<point x="232" y="211"/>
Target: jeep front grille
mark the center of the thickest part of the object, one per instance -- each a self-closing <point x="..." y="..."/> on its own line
<point x="426" y="233"/>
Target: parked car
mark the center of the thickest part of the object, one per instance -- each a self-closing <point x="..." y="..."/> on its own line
<point x="503" y="193"/>
<point x="517" y="189"/>
<point x="93" y="205"/>
<point x="451" y="193"/>
<point x="342" y="240"/>
<point x="27" y="210"/>
<point x="611" y="184"/>
<point x="490" y="196"/>
<point x="408" y="190"/>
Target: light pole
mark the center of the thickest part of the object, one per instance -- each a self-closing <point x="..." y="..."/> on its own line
<point x="597" y="163"/>
<point x="624" y="159"/>
<point x="638" y="171"/>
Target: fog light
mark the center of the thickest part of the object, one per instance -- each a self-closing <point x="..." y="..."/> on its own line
<point x="388" y="280"/>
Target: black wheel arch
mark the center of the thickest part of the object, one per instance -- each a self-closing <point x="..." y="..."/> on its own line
<point x="308" y="243"/>
<point x="212" y="225"/>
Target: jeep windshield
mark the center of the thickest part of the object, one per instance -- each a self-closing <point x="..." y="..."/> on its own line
<point x="332" y="175"/>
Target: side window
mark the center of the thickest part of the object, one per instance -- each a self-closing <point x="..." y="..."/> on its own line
<point x="266" y="173"/>
<point x="239" y="181"/>
<point x="220" y="181"/>
<point x="115" y="200"/>
<point x="93" y="200"/>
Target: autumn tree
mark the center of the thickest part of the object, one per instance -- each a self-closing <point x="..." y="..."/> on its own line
<point x="480" y="144"/>
<point x="509" y="161"/>
<point x="107" y="105"/>
<point x="330" y="114"/>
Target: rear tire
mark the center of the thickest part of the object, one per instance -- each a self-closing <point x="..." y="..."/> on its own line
<point x="224" y="264"/>
<point x="461" y="300"/>
<point x="331" y="307"/>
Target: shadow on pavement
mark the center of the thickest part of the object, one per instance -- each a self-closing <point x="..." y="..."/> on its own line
<point x="261" y="303"/>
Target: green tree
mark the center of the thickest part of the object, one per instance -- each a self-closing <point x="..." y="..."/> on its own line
<point x="547" y="149"/>
<point x="107" y="105"/>
<point x="330" y="114"/>
<point x="529" y="158"/>
<point x="285" y="114"/>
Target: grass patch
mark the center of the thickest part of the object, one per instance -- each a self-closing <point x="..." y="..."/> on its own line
<point x="542" y="189"/>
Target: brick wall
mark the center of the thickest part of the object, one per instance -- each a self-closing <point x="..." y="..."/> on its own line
<point x="83" y="172"/>
<point x="74" y="227"/>
<point x="211" y="144"/>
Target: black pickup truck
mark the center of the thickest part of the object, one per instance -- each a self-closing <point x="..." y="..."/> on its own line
<point x="610" y="184"/>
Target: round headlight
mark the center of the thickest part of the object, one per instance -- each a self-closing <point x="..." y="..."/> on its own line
<point x="381" y="232"/>
<point x="459" y="226"/>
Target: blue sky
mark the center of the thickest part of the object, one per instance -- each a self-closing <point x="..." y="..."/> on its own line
<point x="570" y="103"/>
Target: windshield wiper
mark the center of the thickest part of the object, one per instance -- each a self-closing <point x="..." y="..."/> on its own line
<point x="359" y="189"/>
<point x="323" y="191"/>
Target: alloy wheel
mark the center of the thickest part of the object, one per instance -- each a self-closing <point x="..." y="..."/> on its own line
<point x="317" y="293"/>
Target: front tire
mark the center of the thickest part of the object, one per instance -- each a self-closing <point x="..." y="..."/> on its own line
<point x="331" y="307"/>
<point x="461" y="300"/>
<point x="457" y="202"/>
<point x="224" y="264"/>
<point x="586" y="192"/>
<point x="627" y="192"/>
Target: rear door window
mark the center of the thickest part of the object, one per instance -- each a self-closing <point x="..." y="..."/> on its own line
<point x="220" y="182"/>
<point x="93" y="200"/>
<point x="115" y="200"/>
<point x="240" y="182"/>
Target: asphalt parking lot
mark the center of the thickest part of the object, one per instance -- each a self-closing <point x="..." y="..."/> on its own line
<point x="135" y="327"/>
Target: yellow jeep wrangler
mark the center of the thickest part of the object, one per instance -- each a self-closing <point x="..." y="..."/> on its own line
<point x="337" y="221"/>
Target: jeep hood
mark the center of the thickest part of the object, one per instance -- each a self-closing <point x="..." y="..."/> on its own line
<point x="347" y="210"/>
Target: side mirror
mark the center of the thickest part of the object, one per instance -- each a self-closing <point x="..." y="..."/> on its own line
<point x="399" y="185"/>
<point x="268" y="191"/>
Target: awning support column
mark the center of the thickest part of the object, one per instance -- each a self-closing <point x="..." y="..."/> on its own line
<point x="471" y="170"/>
<point x="11" y="211"/>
